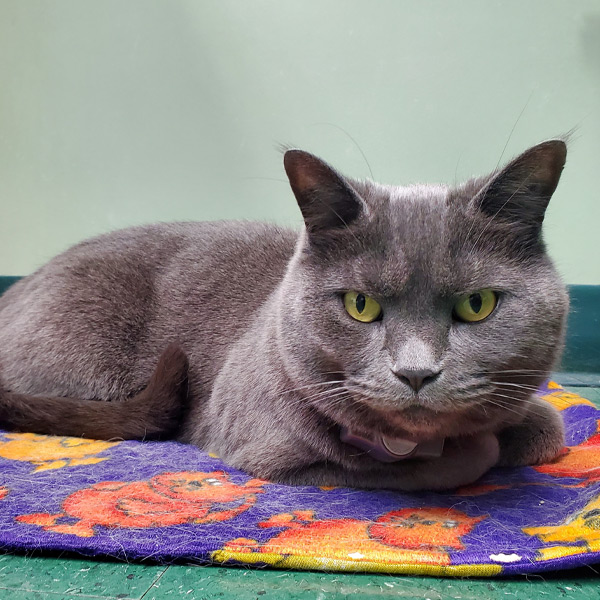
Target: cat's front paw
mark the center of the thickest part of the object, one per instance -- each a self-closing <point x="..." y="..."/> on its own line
<point x="537" y="440"/>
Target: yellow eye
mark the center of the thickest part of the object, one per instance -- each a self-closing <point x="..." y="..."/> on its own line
<point x="476" y="306"/>
<point x="361" y="307"/>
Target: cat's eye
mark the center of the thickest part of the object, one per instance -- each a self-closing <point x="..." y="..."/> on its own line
<point x="361" y="307"/>
<point x="476" y="306"/>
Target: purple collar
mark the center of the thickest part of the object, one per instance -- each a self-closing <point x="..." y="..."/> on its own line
<point x="387" y="449"/>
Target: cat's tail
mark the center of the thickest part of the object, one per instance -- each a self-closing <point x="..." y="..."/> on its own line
<point x="152" y="413"/>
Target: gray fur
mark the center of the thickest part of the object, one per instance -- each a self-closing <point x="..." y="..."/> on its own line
<point x="258" y="312"/>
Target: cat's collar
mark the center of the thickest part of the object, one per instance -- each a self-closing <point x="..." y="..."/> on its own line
<point x="386" y="449"/>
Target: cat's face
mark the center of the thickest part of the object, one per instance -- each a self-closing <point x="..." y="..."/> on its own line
<point x="417" y="364"/>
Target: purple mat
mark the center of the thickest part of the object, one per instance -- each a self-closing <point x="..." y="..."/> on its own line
<point x="166" y="501"/>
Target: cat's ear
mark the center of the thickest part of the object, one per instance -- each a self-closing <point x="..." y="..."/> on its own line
<point x="519" y="193"/>
<point x="325" y="198"/>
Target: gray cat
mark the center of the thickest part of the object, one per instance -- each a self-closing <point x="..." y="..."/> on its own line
<point x="395" y="342"/>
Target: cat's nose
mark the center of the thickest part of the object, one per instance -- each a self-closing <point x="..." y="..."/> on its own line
<point x="415" y="378"/>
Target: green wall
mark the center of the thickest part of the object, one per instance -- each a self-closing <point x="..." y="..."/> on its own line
<point x="116" y="113"/>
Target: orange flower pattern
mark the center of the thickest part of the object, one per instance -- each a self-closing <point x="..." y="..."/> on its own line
<point x="409" y="535"/>
<point x="164" y="500"/>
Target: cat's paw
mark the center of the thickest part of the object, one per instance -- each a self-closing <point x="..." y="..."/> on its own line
<point x="464" y="461"/>
<point x="537" y="440"/>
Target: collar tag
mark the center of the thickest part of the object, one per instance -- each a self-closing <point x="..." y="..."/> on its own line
<point x="385" y="449"/>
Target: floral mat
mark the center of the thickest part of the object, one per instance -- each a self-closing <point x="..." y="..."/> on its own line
<point x="167" y="502"/>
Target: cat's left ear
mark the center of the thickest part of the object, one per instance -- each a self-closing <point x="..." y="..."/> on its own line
<point x="519" y="193"/>
<point x="326" y="199"/>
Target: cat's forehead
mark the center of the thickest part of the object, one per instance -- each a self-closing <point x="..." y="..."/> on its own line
<point x="400" y="208"/>
<point x="378" y="195"/>
<point x="414" y="237"/>
<point x="413" y="219"/>
<point x="418" y="193"/>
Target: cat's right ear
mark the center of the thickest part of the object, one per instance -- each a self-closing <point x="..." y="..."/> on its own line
<point x="520" y="192"/>
<point x="325" y="198"/>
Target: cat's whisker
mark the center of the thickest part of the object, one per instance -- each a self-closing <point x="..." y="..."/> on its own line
<point x="514" y="127"/>
<point x="312" y="385"/>
<point x="330" y="396"/>
<point x="317" y="384"/>
<point x="504" y="406"/>
<point x="323" y="394"/>
<point x="516" y="371"/>
<point x="521" y="386"/>
<point x="531" y="391"/>
<point x="517" y="377"/>
<point x="306" y="401"/>
<point x="340" y="400"/>
<point x="516" y="374"/>
<point x="510" y="407"/>
<point x="523" y="400"/>
<point x="513" y="398"/>
<point x="351" y="138"/>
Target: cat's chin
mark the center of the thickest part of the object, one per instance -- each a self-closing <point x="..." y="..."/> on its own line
<point x="421" y="424"/>
<point x="418" y="423"/>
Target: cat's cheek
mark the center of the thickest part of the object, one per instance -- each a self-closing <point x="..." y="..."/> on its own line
<point x="352" y="345"/>
<point x="308" y="356"/>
